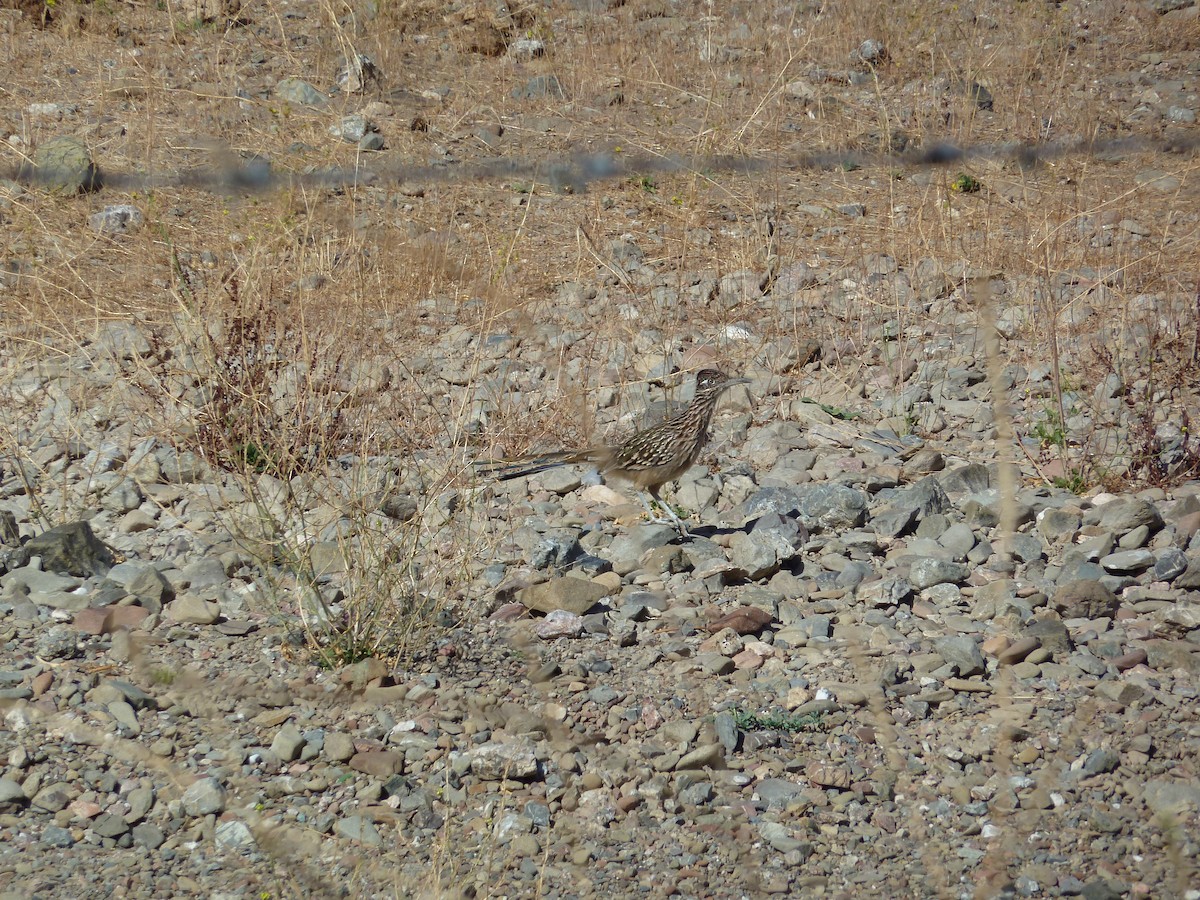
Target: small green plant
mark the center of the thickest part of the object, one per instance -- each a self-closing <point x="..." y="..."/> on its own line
<point x="254" y="457"/>
<point x="911" y="422"/>
<point x="669" y="508"/>
<point x="1076" y="482"/>
<point x="836" y="411"/>
<point x="346" y="648"/>
<point x="965" y="184"/>
<point x="1051" y="435"/>
<point x="162" y="677"/>
<point x="1050" y="431"/>
<point x="747" y="720"/>
<point x="646" y="183"/>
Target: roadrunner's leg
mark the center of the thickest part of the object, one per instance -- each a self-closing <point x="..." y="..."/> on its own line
<point x="655" y="518"/>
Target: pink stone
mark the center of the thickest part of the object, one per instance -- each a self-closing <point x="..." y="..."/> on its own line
<point x="85" y="809"/>
<point x="509" y="612"/>
<point x="42" y="683"/>
<point x="748" y="660"/>
<point x="1129" y="660"/>
<point x="91" y="621"/>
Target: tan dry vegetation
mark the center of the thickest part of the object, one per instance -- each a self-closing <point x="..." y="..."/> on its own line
<point x="477" y="241"/>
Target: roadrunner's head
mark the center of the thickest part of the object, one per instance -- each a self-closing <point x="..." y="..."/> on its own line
<point x="713" y="382"/>
<point x="710" y="385"/>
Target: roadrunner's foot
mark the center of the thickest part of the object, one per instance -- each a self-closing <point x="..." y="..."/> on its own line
<point x="670" y="519"/>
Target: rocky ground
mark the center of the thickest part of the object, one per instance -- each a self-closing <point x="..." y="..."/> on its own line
<point x="935" y="631"/>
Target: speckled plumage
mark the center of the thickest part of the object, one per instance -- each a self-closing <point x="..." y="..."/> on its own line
<point x="648" y="459"/>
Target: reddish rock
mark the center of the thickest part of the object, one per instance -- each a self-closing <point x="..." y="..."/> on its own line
<point x="748" y="660"/>
<point x="576" y="595"/>
<point x="107" y="619"/>
<point x="380" y="763"/>
<point x="1017" y="651"/>
<point x="558" y="624"/>
<point x="629" y="802"/>
<point x="85" y="809"/>
<point x="1130" y="659"/>
<point x="42" y="683"/>
<point x="128" y="617"/>
<point x="91" y="621"/>
<point x="884" y="821"/>
<point x="651" y="717"/>
<point x="828" y="776"/>
<point x="509" y="612"/>
<point x="924" y="610"/>
<point x="995" y="645"/>
<point x="369" y="671"/>
<point x="743" y="620"/>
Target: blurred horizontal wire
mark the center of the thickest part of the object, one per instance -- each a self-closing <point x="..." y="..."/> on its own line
<point x="576" y="173"/>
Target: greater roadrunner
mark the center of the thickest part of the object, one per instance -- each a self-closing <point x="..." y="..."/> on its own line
<point x="650" y="458"/>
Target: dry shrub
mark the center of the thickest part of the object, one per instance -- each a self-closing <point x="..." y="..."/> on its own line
<point x="39" y="12"/>
<point x="1164" y="450"/>
<point x="476" y="26"/>
<point x="273" y="402"/>
<point x="207" y="10"/>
